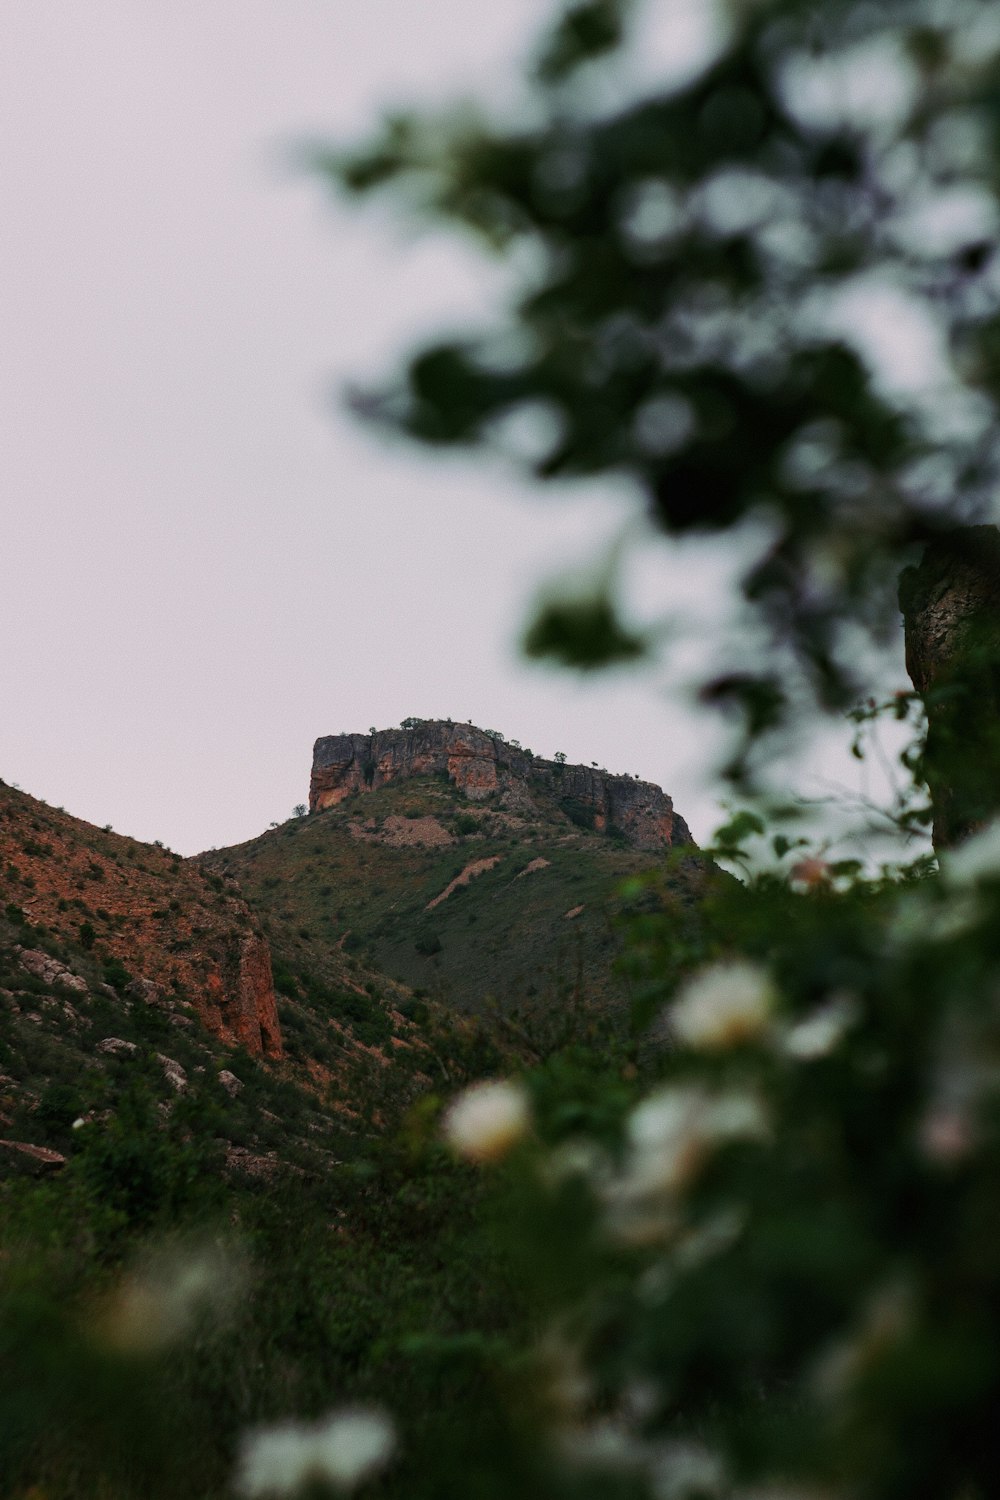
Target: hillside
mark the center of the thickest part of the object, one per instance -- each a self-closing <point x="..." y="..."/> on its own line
<point x="124" y="967"/>
<point x="477" y="875"/>
<point x="443" y="874"/>
<point x="199" y="947"/>
<point x="203" y="1226"/>
<point x="194" y="1066"/>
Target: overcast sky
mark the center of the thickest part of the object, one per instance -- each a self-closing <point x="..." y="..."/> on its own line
<point x="207" y="564"/>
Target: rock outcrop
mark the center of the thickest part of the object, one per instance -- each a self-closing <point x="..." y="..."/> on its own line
<point x="484" y="765"/>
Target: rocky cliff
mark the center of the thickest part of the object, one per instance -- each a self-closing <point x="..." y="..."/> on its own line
<point x="482" y="766"/>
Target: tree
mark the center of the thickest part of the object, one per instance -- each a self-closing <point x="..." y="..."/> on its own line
<point x="771" y="1265"/>
<point x="677" y="249"/>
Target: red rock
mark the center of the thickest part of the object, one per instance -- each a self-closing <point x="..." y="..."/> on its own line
<point x="37" y="1161"/>
<point x="187" y="943"/>
<point x="480" y="765"/>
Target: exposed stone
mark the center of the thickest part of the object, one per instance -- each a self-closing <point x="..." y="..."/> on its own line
<point x="252" y="1163"/>
<point x="115" y="1046"/>
<point x="479" y="765"/>
<point x="230" y="1083"/>
<point x="172" y="1072"/>
<point x="246" y="1007"/>
<point x="48" y="969"/>
<point x="399" y="833"/>
<point x="36" y="1161"/>
<point x="145" y="991"/>
<point x="476" y="867"/>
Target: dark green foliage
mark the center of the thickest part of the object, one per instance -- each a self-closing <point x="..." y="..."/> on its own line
<point x="803" y="1294"/>
<point x="116" y="974"/>
<point x="577" y="812"/>
<point x="665" y="325"/>
<point x="58" y="1106"/>
<point x="582" y="633"/>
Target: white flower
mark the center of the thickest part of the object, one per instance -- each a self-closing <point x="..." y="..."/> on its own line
<point x="819" y="1033"/>
<point x="936" y="915"/>
<point x="887" y="1318"/>
<point x="671" y="1132"/>
<point x="342" y="1449"/>
<point x="163" y="1300"/>
<point x="723" y="1006"/>
<point x="485" y="1121"/>
<point x="977" y="859"/>
<point x="685" y="1468"/>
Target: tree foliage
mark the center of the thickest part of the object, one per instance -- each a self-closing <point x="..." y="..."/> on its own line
<point x="767" y="296"/>
<point x="688" y="264"/>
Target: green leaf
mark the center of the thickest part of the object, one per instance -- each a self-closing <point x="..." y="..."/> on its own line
<point x="584" y="633"/>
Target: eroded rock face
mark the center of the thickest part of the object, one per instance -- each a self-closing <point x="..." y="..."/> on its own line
<point x="479" y="765"/>
<point x="242" y="1004"/>
<point x="43" y="966"/>
<point x="345" y="763"/>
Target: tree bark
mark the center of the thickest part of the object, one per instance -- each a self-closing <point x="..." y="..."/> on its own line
<point x="951" y="614"/>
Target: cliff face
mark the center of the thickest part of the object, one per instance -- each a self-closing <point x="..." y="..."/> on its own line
<point x="481" y="765"/>
<point x="240" y="1004"/>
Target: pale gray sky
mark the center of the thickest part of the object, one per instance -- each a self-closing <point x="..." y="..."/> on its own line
<point x="207" y="564"/>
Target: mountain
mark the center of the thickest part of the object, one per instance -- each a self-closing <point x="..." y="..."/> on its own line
<point x="483" y="766"/>
<point x="232" y="1070"/>
<point x="461" y="866"/>
<point x="211" y="1218"/>
<point x="124" y="966"/>
<point x="449" y="904"/>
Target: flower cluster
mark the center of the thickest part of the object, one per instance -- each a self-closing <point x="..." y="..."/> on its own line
<point x="343" y="1450"/>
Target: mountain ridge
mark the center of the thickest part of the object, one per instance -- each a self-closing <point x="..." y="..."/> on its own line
<point x="445" y="859"/>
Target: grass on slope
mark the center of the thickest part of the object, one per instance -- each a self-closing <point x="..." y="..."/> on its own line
<point x="344" y="887"/>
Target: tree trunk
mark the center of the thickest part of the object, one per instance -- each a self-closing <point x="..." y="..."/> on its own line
<point x="951" y="615"/>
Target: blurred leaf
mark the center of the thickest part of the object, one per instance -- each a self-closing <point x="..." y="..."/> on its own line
<point x="586" y="31"/>
<point x="584" y="633"/>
